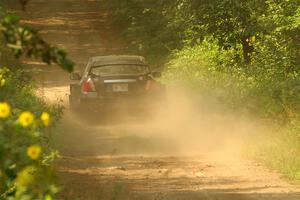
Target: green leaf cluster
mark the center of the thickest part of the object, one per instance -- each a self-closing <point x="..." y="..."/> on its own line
<point x="24" y="173"/>
<point x="26" y="40"/>
<point x="248" y="52"/>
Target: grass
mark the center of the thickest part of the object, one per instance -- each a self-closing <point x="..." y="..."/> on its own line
<point x="280" y="150"/>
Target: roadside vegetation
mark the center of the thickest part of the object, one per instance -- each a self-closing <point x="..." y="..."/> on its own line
<point x="26" y="121"/>
<point x="245" y="53"/>
<point x="26" y="156"/>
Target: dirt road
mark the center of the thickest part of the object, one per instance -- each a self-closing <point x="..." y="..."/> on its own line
<point x="134" y="159"/>
<point x="120" y="162"/>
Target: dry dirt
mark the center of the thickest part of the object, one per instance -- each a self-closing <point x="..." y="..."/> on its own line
<point x="176" y="155"/>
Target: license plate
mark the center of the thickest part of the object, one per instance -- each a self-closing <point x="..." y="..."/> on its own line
<point x="120" y="87"/>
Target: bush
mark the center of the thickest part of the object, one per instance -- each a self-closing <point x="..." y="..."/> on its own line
<point x="26" y="170"/>
<point x="279" y="149"/>
<point x="268" y="88"/>
<point x="244" y="53"/>
<point x="212" y="70"/>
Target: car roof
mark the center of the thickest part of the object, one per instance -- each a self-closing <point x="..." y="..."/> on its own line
<point x="117" y="59"/>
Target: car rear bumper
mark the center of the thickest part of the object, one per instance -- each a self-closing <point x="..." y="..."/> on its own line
<point x="95" y="101"/>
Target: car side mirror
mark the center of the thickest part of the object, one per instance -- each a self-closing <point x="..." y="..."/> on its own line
<point x="156" y="74"/>
<point x="75" y="76"/>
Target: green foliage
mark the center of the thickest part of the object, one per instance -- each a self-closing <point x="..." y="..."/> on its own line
<point x="213" y="71"/>
<point x="26" y="40"/>
<point x="264" y="90"/>
<point x="145" y="27"/>
<point x="26" y="169"/>
<point x="248" y="51"/>
<point x="158" y="27"/>
<point x="26" y="156"/>
<point x="279" y="150"/>
<point x="268" y="85"/>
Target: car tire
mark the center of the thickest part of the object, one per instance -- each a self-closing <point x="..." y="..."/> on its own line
<point x="74" y="103"/>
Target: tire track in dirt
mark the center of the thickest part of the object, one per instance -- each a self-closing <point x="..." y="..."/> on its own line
<point x="125" y="159"/>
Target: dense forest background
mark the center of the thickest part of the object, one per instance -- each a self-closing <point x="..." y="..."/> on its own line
<point x="250" y="49"/>
<point x="244" y="53"/>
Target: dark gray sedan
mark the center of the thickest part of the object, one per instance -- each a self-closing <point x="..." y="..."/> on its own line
<point x="114" y="80"/>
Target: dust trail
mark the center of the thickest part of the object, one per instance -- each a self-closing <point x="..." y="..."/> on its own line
<point x="185" y="123"/>
<point x="200" y="123"/>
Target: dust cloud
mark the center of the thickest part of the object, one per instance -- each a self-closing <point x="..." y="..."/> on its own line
<point x="183" y="123"/>
<point x="200" y="123"/>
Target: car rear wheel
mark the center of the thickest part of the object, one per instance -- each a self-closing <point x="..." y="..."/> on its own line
<point x="74" y="103"/>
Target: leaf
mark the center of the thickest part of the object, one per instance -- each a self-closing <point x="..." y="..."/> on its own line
<point x="66" y="64"/>
<point x="11" y="19"/>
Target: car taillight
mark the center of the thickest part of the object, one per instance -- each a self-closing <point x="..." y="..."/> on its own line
<point x="88" y="86"/>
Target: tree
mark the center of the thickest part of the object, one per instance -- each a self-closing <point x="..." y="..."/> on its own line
<point x="23" y="3"/>
<point x="146" y="27"/>
<point x="231" y="22"/>
<point x="24" y="40"/>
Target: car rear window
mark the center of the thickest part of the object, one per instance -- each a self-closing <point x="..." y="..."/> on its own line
<point x="126" y="69"/>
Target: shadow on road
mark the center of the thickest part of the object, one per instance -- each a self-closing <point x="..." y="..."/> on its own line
<point x="157" y="178"/>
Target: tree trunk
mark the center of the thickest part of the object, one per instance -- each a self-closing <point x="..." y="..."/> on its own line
<point x="247" y="50"/>
<point x="23" y="3"/>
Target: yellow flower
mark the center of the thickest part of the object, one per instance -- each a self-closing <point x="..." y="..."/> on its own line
<point x="26" y="119"/>
<point x="2" y="82"/>
<point x="25" y="177"/>
<point x="45" y="117"/>
<point x="253" y="39"/>
<point x="48" y="197"/>
<point x="4" y="110"/>
<point x="34" y="152"/>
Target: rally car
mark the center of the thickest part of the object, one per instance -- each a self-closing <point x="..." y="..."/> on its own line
<point x="114" y="80"/>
